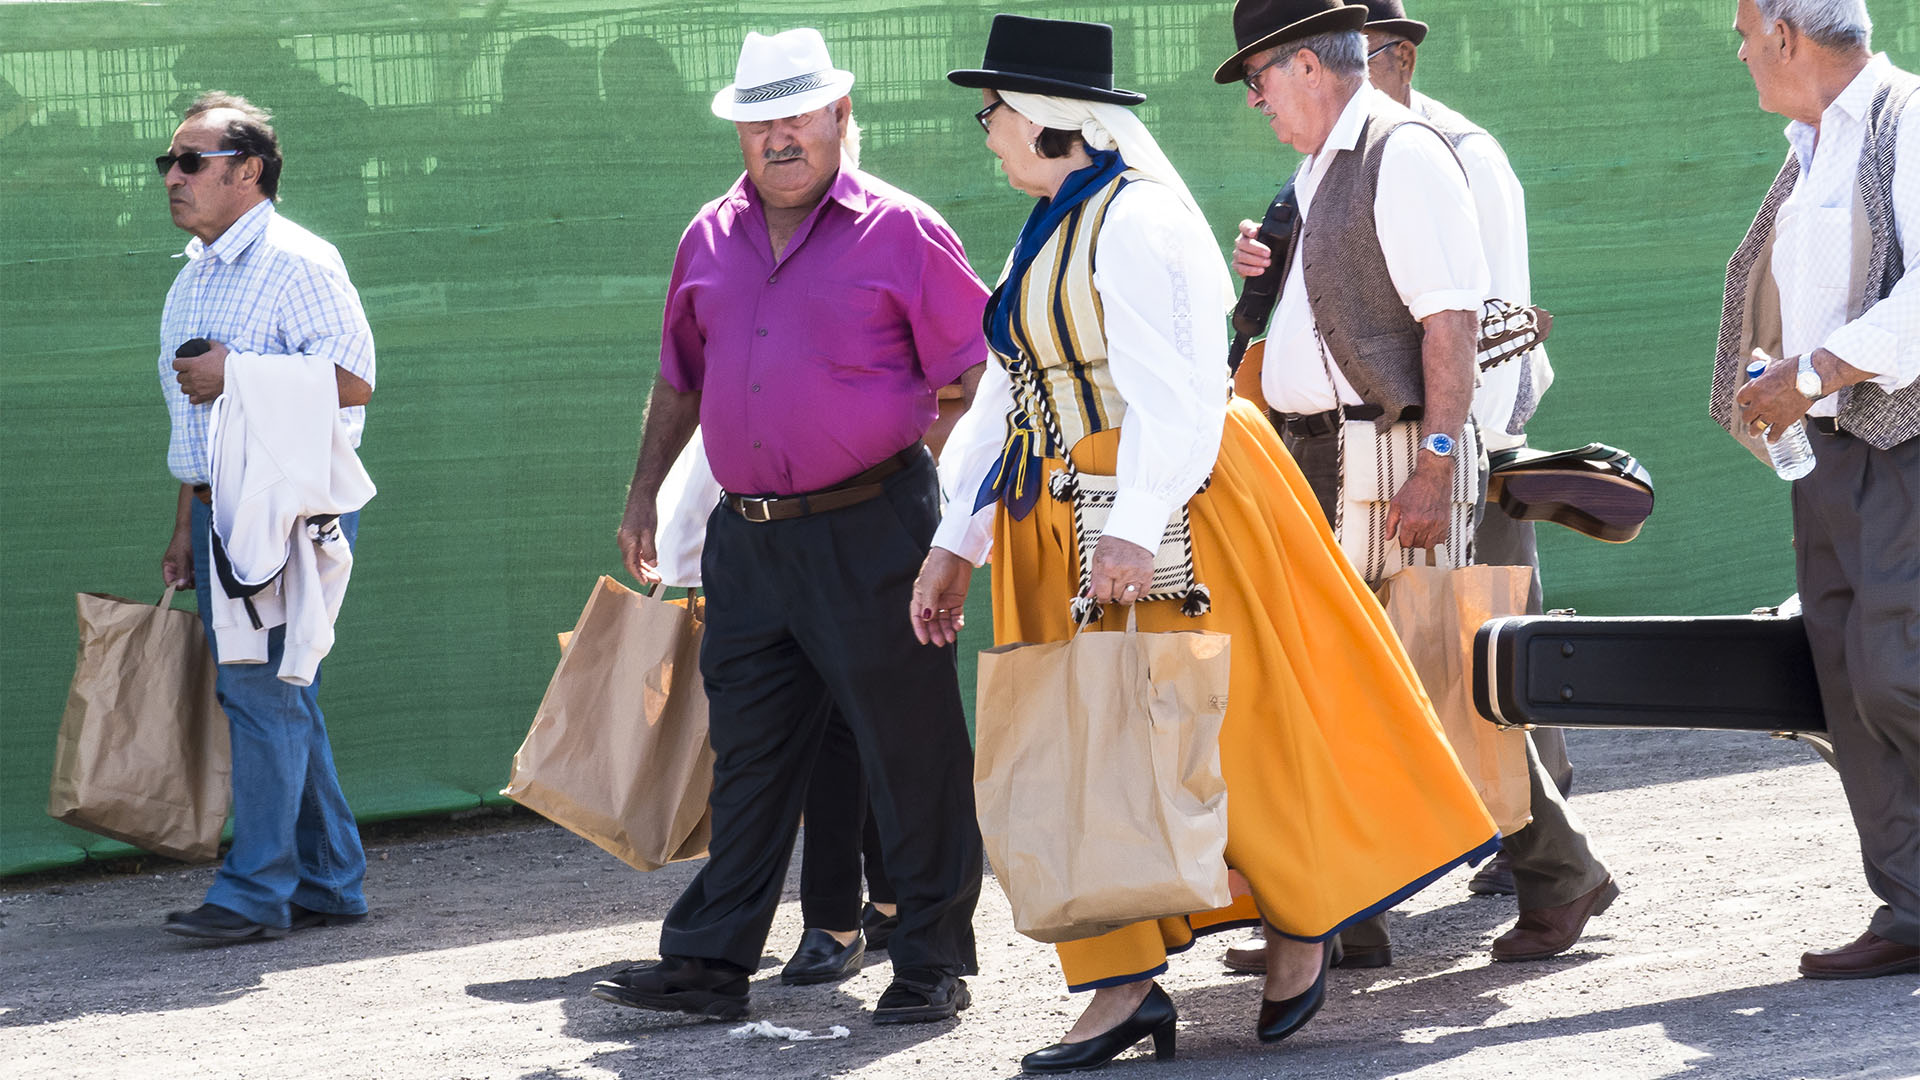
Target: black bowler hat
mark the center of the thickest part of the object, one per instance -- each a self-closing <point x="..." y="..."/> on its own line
<point x="1056" y="57"/>
<point x="1391" y="16"/>
<point x="1262" y="24"/>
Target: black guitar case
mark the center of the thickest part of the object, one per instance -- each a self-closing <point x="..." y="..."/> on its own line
<point x="1731" y="673"/>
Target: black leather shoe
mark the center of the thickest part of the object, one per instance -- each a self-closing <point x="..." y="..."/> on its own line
<point x="711" y="988"/>
<point x="1495" y="878"/>
<point x="1155" y="1017"/>
<point x="1279" y="1019"/>
<point x="919" y="997"/>
<point x="307" y="918"/>
<point x="878" y="928"/>
<point x="820" y="959"/>
<point x="211" y="922"/>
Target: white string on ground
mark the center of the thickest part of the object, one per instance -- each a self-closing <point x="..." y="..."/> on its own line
<point x="766" y="1029"/>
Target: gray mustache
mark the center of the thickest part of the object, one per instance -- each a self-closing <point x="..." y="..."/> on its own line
<point x="788" y="154"/>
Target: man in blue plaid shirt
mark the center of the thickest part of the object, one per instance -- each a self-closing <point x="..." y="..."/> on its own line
<point x="255" y="282"/>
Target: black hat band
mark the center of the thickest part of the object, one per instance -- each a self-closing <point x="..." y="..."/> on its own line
<point x="799" y="84"/>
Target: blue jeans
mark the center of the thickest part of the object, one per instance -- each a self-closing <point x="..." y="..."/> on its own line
<point x="294" y="838"/>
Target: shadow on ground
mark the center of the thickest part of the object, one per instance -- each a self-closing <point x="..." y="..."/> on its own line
<point x="1634" y="758"/>
<point x="61" y="960"/>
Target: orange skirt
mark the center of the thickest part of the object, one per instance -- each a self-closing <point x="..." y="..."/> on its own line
<point x="1343" y="797"/>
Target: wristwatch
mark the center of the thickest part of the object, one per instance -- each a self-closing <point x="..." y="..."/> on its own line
<point x="1807" y="380"/>
<point x="1438" y="444"/>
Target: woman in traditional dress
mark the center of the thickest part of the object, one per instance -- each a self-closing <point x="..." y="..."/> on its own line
<point x="1109" y="330"/>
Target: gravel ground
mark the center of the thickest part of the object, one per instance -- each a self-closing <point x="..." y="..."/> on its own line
<point x="1734" y="853"/>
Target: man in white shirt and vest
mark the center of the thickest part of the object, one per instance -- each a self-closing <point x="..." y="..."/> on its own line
<point x="1377" y="321"/>
<point x="1548" y="863"/>
<point x="1825" y="289"/>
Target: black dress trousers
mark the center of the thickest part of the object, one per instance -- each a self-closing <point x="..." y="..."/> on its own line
<point x="839" y="837"/>
<point x="798" y="612"/>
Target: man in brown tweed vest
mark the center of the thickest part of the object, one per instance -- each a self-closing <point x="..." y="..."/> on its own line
<point x="1377" y="321"/>
<point x="1826" y="288"/>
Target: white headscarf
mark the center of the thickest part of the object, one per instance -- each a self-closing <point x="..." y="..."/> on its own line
<point x="1112" y="127"/>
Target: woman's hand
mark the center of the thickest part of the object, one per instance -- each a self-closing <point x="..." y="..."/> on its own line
<point x="1122" y="571"/>
<point x="940" y="597"/>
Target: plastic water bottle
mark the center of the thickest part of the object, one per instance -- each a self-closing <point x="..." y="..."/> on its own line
<point x="1792" y="455"/>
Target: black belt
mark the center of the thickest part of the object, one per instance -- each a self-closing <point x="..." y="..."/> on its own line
<point x="1827" y="424"/>
<point x="849" y="492"/>
<point x="1315" y="425"/>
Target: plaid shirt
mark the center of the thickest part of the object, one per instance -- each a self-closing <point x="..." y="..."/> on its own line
<point x="264" y="286"/>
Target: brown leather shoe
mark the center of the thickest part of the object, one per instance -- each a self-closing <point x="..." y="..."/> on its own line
<point x="1868" y="957"/>
<point x="1248" y="958"/>
<point x="1546" y="932"/>
<point x="1365" y="944"/>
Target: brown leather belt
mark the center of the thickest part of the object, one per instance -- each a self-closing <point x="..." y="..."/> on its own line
<point x="849" y="492"/>
<point x="203" y="492"/>
<point x="1827" y="424"/>
<point x="1315" y="425"/>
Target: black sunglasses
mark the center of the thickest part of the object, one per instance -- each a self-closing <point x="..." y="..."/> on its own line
<point x="190" y="161"/>
<point x="988" y="111"/>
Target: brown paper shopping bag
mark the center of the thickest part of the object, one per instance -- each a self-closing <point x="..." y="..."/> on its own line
<point x="1097" y="778"/>
<point x="142" y="753"/>
<point x="1436" y="612"/>
<point x="618" y="752"/>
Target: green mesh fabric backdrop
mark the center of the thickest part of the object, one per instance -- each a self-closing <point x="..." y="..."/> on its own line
<point x="507" y="182"/>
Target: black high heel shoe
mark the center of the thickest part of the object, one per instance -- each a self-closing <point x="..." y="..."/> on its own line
<point x="1279" y="1019"/>
<point x="1154" y="1017"/>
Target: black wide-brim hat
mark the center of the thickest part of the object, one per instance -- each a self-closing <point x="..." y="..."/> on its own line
<point x="1390" y="16"/>
<point x="1056" y="57"/>
<point x="1262" y="24"/>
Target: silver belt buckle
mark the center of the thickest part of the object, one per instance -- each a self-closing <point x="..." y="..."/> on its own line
<point x="749" y="503"/>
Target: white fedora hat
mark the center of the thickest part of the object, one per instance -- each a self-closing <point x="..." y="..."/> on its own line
<point x="780" y="76"/>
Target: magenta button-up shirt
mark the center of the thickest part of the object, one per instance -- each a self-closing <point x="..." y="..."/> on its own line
<point x="826" y="362"/>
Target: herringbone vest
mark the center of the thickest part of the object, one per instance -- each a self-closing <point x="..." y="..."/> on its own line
<point x="1368" y="331"/>
<point x="1750" y="313"/>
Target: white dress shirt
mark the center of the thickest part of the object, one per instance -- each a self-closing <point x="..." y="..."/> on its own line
<point x="1429" y="233"/>
<point x="1501" y="205"/>
<point x="1813" y="244"/>
<point x="1165" y="297"/>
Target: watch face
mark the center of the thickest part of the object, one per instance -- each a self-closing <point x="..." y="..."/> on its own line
<point x="1439" y="444"/>
<point x="1808" y="383"/>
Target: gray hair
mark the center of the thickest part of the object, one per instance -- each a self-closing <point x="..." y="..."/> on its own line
<point x="1841" y="25"/>
<point x="1343" y="52"/>
<point x="850" y="142"/>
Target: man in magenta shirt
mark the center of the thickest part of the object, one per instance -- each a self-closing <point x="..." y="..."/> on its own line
<point x="813" y="314"/>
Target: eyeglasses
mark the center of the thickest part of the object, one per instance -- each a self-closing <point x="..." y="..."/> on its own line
<point x="1252" y="77"/>
<point x="988" y="111"/>
<point x="189" y="161"/>
<point x="1381" y="49"/>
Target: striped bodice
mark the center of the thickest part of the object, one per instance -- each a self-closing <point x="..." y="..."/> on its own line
<point x="1060" y="331"/>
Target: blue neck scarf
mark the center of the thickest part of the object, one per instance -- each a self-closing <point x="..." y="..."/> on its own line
<point x="1015" y="478"/>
